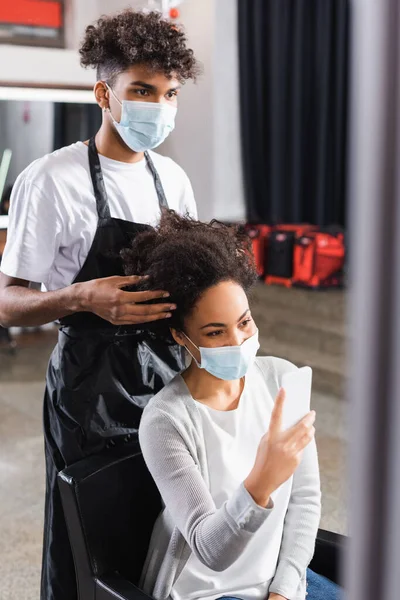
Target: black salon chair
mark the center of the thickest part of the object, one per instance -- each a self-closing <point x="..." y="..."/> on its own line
<point x="111" y="503"/>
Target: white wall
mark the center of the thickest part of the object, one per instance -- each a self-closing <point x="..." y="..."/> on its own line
<point x="191" y="144"/>
<point x="80" y="13"/>
<point x="206" y="141"/>
<point x="229" y="202"/>
<point x="110" y="6"/>
<point x="19" y="64"/>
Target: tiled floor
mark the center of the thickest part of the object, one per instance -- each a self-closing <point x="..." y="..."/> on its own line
<point x="22" y="464"/>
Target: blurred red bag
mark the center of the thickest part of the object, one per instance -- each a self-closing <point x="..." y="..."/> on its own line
<point x="279" y="265"/>
<point x="259" y="237"/>
<point x="319" y="259"/>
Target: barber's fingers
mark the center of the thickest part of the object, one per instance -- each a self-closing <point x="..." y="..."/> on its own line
<point x="131" y="310"/>
<point x="139" y="319"/>
<point x="139" y="297"/>
<point x="121" y="281"/>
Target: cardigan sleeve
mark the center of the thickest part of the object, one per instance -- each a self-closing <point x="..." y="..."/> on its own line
<point x="300" y="527"/>
<point x="303" y="514"/>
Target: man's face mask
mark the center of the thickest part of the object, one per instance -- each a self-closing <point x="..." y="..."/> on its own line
<point x="144" y="125"/>
<point x="228" y="362"/>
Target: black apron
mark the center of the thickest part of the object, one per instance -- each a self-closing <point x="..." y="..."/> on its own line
<point x="99" y="379"/>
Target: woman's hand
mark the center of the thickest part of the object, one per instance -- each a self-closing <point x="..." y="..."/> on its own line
<point x="279" y="453"/>
<point x="276" y="597"/>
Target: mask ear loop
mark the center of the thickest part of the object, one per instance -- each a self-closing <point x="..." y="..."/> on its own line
<point x="112" y="91"/>
<point x="108" y="109"/>
<point x="194" y="358"/>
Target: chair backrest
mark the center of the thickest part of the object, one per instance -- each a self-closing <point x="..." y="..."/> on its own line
<point x="110" y="503"/>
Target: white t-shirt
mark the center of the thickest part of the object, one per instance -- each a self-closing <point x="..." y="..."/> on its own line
<point x="53" y="216"/>
<point x="231" y="440"/>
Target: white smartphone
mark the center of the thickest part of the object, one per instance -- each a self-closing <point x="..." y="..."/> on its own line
<point x="297" y="386"/>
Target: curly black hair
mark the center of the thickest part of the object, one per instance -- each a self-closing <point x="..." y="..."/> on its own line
<point x="115" y="43"/>
<point x="186" y="257"/>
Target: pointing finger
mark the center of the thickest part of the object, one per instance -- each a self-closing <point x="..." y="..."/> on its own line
<point x="276" y="418"/>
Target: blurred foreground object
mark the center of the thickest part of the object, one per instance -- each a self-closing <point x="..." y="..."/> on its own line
<point x="371" y="567"/>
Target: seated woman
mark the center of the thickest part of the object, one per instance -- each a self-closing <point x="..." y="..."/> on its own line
<point x="241" y="495"/>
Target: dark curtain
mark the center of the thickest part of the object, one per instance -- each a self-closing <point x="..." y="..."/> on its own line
<point x="293" y="57"/>
<point x="74" y="122"/>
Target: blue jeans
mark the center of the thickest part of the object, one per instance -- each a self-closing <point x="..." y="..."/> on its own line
<point x="321" y="588"/>
<point x="318" y="588"/>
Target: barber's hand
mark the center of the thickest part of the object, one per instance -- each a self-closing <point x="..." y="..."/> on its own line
<point x="279" y="453"/>
<point x="276" y="597"/>
<point x="106" y="298"/>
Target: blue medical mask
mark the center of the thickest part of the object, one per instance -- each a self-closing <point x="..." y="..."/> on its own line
<point x="144" y="125"/>
<point x="228" y="362"/>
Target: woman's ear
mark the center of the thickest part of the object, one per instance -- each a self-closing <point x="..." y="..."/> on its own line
<point x="178" y="337"/>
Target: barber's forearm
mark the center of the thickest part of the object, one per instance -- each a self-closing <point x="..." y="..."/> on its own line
<point x="25" y="307"/>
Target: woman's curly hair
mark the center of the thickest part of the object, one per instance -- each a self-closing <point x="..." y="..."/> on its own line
<point x="115" y="43"/>
<point x="186" y="257"/>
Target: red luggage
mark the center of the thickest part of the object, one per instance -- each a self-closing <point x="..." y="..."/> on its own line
<point x="319" y="259"/>
<point x="279" y="268"/>
<point x="259" y="236"/>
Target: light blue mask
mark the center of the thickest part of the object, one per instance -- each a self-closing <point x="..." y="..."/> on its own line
<point x="144" y="125"/>
<point x="228" y="362"/>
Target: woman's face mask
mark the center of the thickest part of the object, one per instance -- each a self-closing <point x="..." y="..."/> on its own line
<point x="144" y="125"/>
<point x="228" y="362"/>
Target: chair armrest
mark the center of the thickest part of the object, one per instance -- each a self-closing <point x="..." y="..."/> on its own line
<point x="115" y="587"/>
<point x="331" y="537"/>
<point x="329" y="547"/>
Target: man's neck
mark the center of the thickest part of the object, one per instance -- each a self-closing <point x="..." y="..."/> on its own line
<point x="110" y="145"/>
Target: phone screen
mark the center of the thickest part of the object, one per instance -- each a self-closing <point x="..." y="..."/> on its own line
<point x="297" y="386"/>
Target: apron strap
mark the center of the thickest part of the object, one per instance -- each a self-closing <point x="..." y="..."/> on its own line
<point x="162" y="200"/>
<point x="103" y="210"/>
<point x="99" y="188"/>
